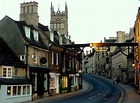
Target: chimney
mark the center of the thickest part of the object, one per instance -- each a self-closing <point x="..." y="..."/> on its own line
<point x="29" y="13"/>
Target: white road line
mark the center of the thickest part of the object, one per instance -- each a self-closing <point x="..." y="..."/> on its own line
<point x="92" y="97"/>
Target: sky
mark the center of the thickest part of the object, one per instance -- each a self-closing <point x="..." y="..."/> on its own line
<point x="88" y="20"/>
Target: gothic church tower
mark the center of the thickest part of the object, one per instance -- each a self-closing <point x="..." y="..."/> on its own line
<point x="59" y="20"/>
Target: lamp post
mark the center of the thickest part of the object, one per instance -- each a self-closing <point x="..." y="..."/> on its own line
<point x="80" y="78"/>
<point x="134" y="69"/>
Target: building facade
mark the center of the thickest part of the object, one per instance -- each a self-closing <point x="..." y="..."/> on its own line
<point x="14" y="86"/>
<point x="50" y="67"/>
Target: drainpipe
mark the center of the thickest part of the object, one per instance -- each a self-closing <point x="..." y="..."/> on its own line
<point x="26" y="60"/>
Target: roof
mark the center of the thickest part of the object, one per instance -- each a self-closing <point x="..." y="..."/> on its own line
<point x="12" y="81"/>
<point x="43" y="27"/>
<point x="30" y="40"/>
<point x="8" y="57"/>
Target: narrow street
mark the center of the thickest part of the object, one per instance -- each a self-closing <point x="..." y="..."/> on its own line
<point x="100" y="91"/>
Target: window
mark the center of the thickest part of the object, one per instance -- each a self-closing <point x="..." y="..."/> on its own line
<point x="52" y="83"/>
<point x="57" y="57"/>
<point x="34" y="56"/>
<point x="18" y="90"/>
<point x="72" y="81"/>
<point x="51" y="36"/>
<point x="27" y="32"/>
<point x="14" y="90"/>
<point x="24" y="90"/>
<point x="62" y="25"/>
<point x="52" y="57"/>
<point x="8" y="91"/>
<point x="64" y="82"/>
<point x="7" y="72"/>
<point x="28" y="89"/>
<point x="54" y="26"/>
<point x="35" y="33"/>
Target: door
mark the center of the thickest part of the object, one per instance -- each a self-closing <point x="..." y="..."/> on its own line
<point x="40" y="84"/>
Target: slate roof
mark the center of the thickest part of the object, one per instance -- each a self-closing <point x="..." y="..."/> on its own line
<point x="11" y="81"/>
<point x="8" y="57"/>
<point x="30" y="40"/>
<point x="43" y="27"/>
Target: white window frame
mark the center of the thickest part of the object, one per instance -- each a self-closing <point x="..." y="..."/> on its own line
<point x="27" y="31"/>
<point x="27" y="92"/>
<point x="34" y="56"/>
<point x="35" y="33"/>
<point x="7" y="72"/>
<point x="51" y="36"/>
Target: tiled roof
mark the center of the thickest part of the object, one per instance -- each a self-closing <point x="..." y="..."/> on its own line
<point x="8" y="57"/>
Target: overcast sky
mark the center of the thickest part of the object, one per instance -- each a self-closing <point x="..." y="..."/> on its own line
<point x="88" y="20"/>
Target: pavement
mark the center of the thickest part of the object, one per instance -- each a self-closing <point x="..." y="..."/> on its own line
<point x="64" y="95"/>
<point x="129" y="94"/>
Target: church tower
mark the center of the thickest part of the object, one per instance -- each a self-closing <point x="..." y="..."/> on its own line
<point x="29" y="13"/>
<point x="59" y="20"/>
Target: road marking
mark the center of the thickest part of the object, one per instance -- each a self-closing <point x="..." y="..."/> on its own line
<point x="92" y="97"/>
<point x="99" y="94"/>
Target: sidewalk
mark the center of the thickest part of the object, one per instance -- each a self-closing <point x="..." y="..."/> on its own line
<point x="130" y="94"/>
<point x="85" y="87"/>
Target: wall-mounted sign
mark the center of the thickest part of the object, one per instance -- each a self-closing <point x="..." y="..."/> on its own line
<point x="43" y="60"/>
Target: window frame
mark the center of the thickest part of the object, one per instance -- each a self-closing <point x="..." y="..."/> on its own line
<point x="35" y="56"/>
<point x="27" y="31"/>
<point x="7" y="72"/>
<point x="18" y="92"/>
<point x="35" y="35"/>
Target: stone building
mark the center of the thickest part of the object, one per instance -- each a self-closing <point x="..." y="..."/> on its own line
<point x="14" y="86"/>
<point x="122" y="57"/>
<point x="59" y="20"/>
<point x="40" y="49"/>
<point x="137" y="51"/>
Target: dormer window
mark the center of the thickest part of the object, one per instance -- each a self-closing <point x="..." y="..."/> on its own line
<point x="27" y="32"/>
<point x="52" y="36"/>
<point x="35" y="33"/>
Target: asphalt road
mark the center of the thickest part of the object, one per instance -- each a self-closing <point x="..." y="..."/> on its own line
<point x="101" y="91"/>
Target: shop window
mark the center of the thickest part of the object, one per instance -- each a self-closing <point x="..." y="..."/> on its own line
<point x="9" y="91"/>
<point x="52" y="83"/>
<point x="14" y="90"/>
<point x="28" y="89"/>
<point x="24" y="90"/>
<point x="72" y="81"/>
<point x="6" y="72"/>
<point x="64" y="82"/>
<point x="19" y="90"/>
